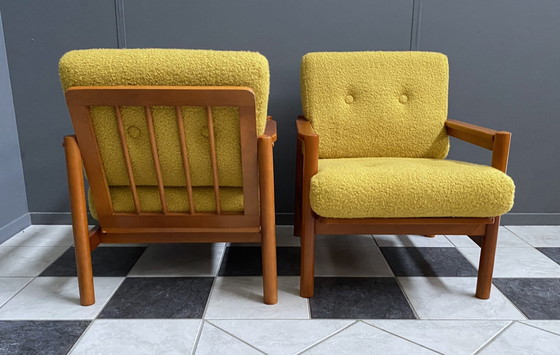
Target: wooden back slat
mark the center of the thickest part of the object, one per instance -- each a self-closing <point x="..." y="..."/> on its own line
<point x="126" y="156"/>
<point x="155" y="157"/>
<point x="213" y="159"/>
<point x="185" y="156"/>
<point x="80" y="99"/>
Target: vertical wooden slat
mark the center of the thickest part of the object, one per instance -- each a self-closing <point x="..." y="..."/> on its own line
<point x="155" y="157"/>
<point x="185" y="156"/>
<point x="213" y="158"/>
<point x="126" y="155"/>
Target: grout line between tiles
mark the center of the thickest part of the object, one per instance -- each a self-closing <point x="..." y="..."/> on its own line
<point x="243" y="341"/>
<point x="534" y="326"/>
<point x="108" y="298"/>
<point x="401" y="337"/>
<point x="209" y="296"/>
<point x="198" y="335"/>
<point x="328" y="337"/>
<point x="15" y="294"/>
<point x="81" y="336"/>
<point x="493" y="338"/>
<point x="406" y="298"/>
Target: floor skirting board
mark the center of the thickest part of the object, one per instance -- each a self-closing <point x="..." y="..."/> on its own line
<point x="288" y="218"/>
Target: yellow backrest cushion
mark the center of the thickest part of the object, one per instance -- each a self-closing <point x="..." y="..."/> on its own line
<point x="377" y="104"/>
<point x="169" y="67"/>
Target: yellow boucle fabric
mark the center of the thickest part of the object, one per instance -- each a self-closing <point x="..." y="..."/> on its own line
<point x="169" y="67"/>
<point x="409" y="187"/>
<point x="377" y="104"/>
<point x="231" y="199"/>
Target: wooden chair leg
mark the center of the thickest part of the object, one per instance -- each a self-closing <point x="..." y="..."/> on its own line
<point x="268" y="223"/>
<point x="79" y="220"/>
<point x="307" y="274"/>
<point x="486" y="264"/>
<point x="429" y="235"/>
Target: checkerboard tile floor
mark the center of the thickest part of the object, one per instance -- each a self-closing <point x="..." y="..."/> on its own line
<point x="383" y="294"/>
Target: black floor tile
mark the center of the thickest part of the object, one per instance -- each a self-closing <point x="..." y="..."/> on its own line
<point x="247" y="261"/>
<point x="159" y="297"/>
<point x="359" y="298"/>
<point x="552" y="253"/>
<point x="39" y="337"/>
<point x="428" y="262"/>
<point x="106" y="261"/>
<point x="537" y="298"/>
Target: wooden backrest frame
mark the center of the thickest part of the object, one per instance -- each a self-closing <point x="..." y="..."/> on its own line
<point x="79" y="101"/>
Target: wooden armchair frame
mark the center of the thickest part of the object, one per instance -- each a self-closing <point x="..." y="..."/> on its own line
<point x="255" y="224"/>
<point x="483" y="231"/>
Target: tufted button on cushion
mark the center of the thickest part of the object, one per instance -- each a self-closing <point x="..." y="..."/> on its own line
<point x="403" y="99"/>
<point x="349" y="99"/>
<point x="133" y="131"/>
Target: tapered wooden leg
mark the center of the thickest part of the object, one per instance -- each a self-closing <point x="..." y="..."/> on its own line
<point x="268" y="223"/>
<point x="486" y="264"/>
<point x="79" y="220"/>
<point x="307" y="274"/>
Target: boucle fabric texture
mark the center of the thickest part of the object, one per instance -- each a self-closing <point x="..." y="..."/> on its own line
<point x="169" y="67"/>
<point x="377" y="104"/>
<point x="231" y="199"/>
<point x="408" y="187"/>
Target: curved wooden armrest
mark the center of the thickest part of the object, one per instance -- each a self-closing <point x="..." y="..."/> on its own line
<point x="496" y="141"/>
<point x="304" y="129"/>
<point x="270" y="130"/>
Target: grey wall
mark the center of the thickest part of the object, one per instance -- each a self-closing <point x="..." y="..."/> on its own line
<point x="13" y="200"/>
<point x="502" y="55"/>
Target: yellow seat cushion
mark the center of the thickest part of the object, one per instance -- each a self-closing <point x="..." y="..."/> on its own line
<point x="231" y="199"/>
<point x="169" y="67"/>
<point x="377" y="104"/>
<point x="408" y="187"/>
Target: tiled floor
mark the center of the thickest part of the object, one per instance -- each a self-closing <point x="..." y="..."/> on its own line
<point x="382" y="294"/>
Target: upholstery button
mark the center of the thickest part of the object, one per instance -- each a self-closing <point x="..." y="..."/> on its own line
<point x="403" y="99"/>
<point x="349" y="99"/>
<point x="133" y="131"/>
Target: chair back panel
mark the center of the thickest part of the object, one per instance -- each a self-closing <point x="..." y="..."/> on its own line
<point x="170" y="107"/>
<point x="377" y="104"/>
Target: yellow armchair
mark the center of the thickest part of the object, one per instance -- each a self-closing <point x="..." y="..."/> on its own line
<point x="370" y="156"/>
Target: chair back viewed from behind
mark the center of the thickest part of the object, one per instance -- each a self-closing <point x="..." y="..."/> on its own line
<point x="177" y="148"/>
<point x="377" y="104"/>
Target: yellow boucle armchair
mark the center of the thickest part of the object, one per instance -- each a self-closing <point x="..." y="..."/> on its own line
<point x="177" y="148"/>
<point x="370" y="156"/>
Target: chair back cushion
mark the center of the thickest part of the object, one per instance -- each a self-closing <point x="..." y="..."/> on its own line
<point x="377" y="104"/>
<point x="169" y="67"/>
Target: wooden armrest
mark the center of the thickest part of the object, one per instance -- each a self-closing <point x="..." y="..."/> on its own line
<point x="270" y="130"/>
<point x="304" y="129"/>
<point x="480" y="136"/>
<point x="496" y="141"/>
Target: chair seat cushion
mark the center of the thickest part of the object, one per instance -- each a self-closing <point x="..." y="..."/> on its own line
<point x="408" y="187"/>
<point x="231" y="199"/>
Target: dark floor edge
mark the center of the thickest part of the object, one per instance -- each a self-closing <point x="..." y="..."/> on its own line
<point x="17" y="225"/>
<point x="287" y="218"/>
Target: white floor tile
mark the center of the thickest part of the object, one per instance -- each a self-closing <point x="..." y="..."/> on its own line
<point x="281" y="336"/>
<point x="453" y="298"/>
<point x="506" y="239"/>
<point x="9" y="286"/>
<point x="242" y="298"/>
<point x="517" y="262"/>
<point x="361" y="338"/>
<point x="182" y="260"/>
<point x="412" y="241"/>
<point x="448" y="337"/>
<point x="538" y="236"/>
<point x="138" y="336"/>
<point x="350" y="261"/>
<point x="350" y="240"/>
<point x="215" y="341"/>
<point x="522" y="339"/>
<point x="58" y="298"/>
<point x="42" y="236"/>
<point x="27" y="261"/>
<point x="550" y="325"/>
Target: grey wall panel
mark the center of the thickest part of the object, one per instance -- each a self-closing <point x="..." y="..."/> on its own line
<point x="13" y="200"/>
<point x="283" y="31"/>
<point x="37" y="34"/>
<point x="505" y="74"/>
